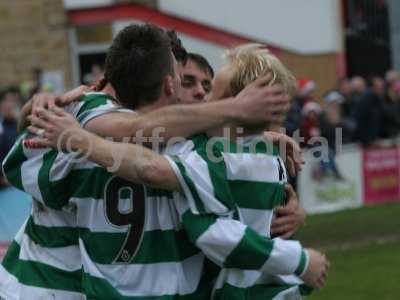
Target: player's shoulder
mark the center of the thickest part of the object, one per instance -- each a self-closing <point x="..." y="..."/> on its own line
<point x="94" y="99"/>
<point x="91" y="101"/>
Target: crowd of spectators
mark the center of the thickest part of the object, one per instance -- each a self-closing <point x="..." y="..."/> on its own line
<point x="365" y="111"/>
<point x="12" y="98"/>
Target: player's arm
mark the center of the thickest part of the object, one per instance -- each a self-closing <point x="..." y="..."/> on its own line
<point x="289" y="218"/>
<point x="231" y="244"/>
<point x="167" y="122"/>
<point x="132" y="162"/>
<point x="228" y="242"/>
<point x="129" y="161"/>
<point x="257" y="103"/>
<point x="208" y="220"/>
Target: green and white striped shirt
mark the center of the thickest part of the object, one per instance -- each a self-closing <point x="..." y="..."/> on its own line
<point x="132" y="239"/>
<point x="44" y="261"/>
<point x="121" y="240"/>
<point x="132" y="243"/>
<point x="231" y="191"/>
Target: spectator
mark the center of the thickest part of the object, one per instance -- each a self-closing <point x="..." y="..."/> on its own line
<point x="346" y="90"/>
<point x="331" y="119"/>
<point x="305" y="88"/>
<point x="9" y="107"/>
<point x="368" y="116"/>
<point x="391" y="76"/>
<point x="347" y="107"/>
<point x="310" y="125"/>
<point x="378" y="86"/>
<point x="391" y="111"/>
<point x="359" y="87"/>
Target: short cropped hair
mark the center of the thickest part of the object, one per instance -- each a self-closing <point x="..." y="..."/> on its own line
<point x="138" y="60"/>
<point x="201" y="62"/>
<point x="248" y="62"/>
<point x="178" y="50"/>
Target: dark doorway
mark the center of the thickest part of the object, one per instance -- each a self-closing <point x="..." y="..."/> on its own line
<point x="367" y="37"/>
<point x="87" y="63"/>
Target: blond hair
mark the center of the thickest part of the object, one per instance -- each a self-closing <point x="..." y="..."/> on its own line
<point x="247" y="62"/>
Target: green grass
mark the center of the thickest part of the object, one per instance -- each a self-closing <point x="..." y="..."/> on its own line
<point x="357" y="225"/>
<point x="369" y="272"/>
<point x="363" y="247"/>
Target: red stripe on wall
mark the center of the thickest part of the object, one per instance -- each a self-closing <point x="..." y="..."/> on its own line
<point x="145" y="14"/>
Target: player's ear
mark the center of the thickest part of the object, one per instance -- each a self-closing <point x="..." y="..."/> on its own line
<point x="169" y="88"/>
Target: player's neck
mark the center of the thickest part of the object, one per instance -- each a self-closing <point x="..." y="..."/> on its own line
<point x="108" y="89"/>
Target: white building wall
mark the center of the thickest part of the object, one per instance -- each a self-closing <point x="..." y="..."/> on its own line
<point x="212" y="52"/>
<point x="79" y="4"/>
<point x="303" y="26"/>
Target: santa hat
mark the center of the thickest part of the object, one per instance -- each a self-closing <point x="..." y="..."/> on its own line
<point x="311" y="106"/>
<point x="305" y="86"/>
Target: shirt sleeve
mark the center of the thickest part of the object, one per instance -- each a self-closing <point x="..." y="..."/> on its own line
<point x="209" y="222"/>
<point x="231" y="244"/>
<point x="204" y="183"/>
<point x="97" y="104"/>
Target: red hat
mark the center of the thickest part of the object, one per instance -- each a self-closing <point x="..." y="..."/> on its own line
<point x="305" y="86"/>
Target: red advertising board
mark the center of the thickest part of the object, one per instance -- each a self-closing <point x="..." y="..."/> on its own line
<point x="381" y="169"/>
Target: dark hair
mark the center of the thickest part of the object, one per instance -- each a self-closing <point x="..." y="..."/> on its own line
<point x="201" y="62"/>
<point x="8" y="90"/>
<point x="137" y="62"/>
<point x="177" y="48"/>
